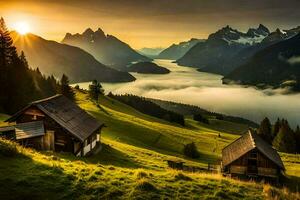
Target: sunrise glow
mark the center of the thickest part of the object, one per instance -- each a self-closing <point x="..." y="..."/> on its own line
<point x="22" y="27"/>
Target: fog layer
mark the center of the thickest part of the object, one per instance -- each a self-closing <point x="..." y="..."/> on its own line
<point x="186" y="85"/>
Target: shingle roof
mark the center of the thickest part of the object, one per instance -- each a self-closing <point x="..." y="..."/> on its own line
<point x="29" y="129"/>
<point x="67" y="114"/>
<point x="26" y="130"/>
<point x="246" y="143"/>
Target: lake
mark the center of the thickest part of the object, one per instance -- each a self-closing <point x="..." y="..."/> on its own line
<point x="187" y="85"/>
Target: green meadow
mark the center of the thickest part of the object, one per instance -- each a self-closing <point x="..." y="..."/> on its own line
<point x="132" y="162"/>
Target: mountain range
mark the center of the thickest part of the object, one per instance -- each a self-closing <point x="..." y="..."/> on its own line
<point x="105" y="48"/>
<point x="55" y="58"/>
<point x="218" y="52"/>
<point x="276" y="65"/>
<point x="257" y="57"/>
<point x="176" y="51"/>
<point x="150" y="52"/>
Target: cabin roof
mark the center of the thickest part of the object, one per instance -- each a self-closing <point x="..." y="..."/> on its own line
<point x="67" y="114"/>
<point x="246" y="143"/>
<point x="29" y="129"/>
<point x="26" y="130"/>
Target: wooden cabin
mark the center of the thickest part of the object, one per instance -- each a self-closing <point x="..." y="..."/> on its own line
<point x="56" y="124"/>
<point x="250" y="155"/>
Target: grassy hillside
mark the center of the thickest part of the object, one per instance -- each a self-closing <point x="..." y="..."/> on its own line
<point x="27" y="174"/>
<point x="127" y="125"/>
<point x="131" y="164"/>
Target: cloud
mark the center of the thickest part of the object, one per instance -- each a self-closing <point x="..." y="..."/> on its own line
<point x="186" y="85"/>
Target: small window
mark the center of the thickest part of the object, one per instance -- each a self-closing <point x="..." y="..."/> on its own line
<point x="34" y="117"/>
<point x="253" y="155"/>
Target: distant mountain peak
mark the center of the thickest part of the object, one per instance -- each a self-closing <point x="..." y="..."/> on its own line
<point x="263" y="28"/>
<point x="104" y="47"/>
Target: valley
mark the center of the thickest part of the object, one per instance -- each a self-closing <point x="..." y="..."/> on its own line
<point x="158" y="100"/>
<point x="189" y="86"/>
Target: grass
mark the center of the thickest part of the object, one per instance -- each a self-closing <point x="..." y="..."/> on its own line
<point x="3" y="117"/>
<point x="35" y="175"/>
<point x="132" y="163"/>
<point x="126" y="125"/>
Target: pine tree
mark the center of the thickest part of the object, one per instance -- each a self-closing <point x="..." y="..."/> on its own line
<point x="265" y="130"/>
<point x="6" y="45"/>
<point x="284" y="140"/>
<point x="297" y="138"/>
<point x="6" y="51"/>
<point x="95" y="89"/>
<point x="65" y="88"/>
<point x="276" y="128"/>
<point x="18" y="83"/>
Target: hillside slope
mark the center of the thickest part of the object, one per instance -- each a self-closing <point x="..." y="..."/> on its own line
<point x="54" y="58"/>
<point x="131" y="164"/>
<point x="176" y="51"/>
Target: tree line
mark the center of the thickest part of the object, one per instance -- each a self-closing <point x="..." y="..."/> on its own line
<point x="280" y="135"/>
<point x="19" y="84"/>
<point x="147" y="107"/>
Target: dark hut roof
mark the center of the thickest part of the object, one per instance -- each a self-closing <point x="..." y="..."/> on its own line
<point x="67" y="114"/>
<point x="26" y="130"/>
<point x="29" y="130"/>
<point x="245" y="144"/>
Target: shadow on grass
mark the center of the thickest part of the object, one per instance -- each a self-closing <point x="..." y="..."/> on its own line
<point x="23" y="178"/>
<point x="292" y="182"/>
<point x="111" y="156"/>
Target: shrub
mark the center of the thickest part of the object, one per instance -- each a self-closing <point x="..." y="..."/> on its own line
<point x="200" y="118"/>
<point x="145" y="185"/>
<point x="180" y="176"/>
<point x="190" y="150"/>
<point x="139" y="174"/>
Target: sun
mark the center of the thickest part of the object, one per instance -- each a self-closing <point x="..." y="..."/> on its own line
<point x="22" y="27"/>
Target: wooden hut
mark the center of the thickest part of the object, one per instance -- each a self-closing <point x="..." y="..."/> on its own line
<point x="250" y="155"/>
<point x="55" y="123"/>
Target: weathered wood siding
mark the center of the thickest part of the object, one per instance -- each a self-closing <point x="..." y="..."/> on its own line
<point x="63" y="141"/>
<point x="265" y="166"/>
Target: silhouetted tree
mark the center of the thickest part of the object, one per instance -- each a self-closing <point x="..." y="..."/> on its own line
<point x="95" y="89"/>
<point x="18" y="83"/>
<point x="297" y="138"/>
<point x="200" y="118"/>
<point x="265" y="130"/>
<point x="190" y="150"/>
<point x="65" y="88"/>
<point x="276" y="127"/>
<point x="148" y="107"/>
<point x="285" y="140"/>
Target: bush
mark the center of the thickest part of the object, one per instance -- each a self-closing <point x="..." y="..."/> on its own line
<point x="190" y="150"/>
<point x="144" y="185"/>
<point x="139" y="174"/>
<point x="200" y="118"/>
<point x="219" y="117"/>
<point x="180" y="176"/>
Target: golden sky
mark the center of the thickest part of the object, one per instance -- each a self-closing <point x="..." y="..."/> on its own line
<point x="148" y="23"/>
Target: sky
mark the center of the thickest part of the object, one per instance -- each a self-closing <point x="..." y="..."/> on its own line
<point x="148" y="23"/>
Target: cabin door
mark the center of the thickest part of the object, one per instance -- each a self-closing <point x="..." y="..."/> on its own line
<point x="49" y="141"/>
<point x="252" y="162"/>
<point x="252" y="166"/>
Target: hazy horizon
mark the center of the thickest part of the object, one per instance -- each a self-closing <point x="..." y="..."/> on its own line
<point x="148" y="23"/>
